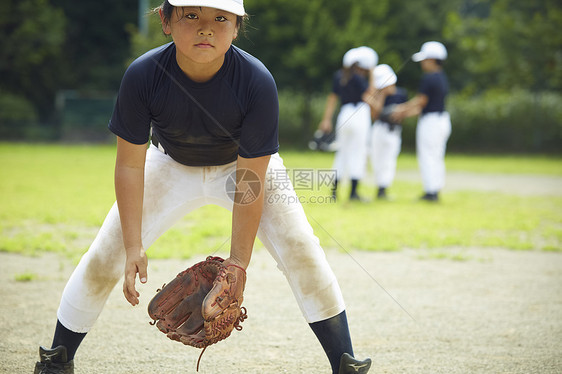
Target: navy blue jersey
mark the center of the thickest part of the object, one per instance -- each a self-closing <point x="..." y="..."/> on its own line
<point x="352" y="91"/>
<point x="401" y="96"/>
<point x="390" y="102"/>
<point x="199" y="124"/>
<point x="436" y="87"/>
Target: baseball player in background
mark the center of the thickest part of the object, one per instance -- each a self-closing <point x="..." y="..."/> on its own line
<point x="386" y="134"/>
<point x="434" y="123"/>
<point x="351" y="87"/>
<point x="213" y="112"/>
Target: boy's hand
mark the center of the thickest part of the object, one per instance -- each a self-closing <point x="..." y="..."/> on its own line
<point x="136" y="262"/>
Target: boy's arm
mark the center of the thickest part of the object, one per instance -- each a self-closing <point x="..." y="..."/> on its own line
<point x="247" y="209"/>
<point x="129" y="191"/>
<point x="411" y="108"/>
<point x="331" y="103"/>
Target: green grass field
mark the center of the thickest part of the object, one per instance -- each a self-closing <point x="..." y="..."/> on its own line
<point x="55" y="197"/>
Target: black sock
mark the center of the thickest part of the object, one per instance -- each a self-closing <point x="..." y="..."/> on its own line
<point x="335" y="187"/>
<point x="69" y="339"/>
<point x="333" y="334"/>
<point x="354" y="183"/>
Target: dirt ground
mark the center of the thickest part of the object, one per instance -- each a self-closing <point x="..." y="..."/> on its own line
<point x="515" y="184"/>
<point x="497" y="311"/>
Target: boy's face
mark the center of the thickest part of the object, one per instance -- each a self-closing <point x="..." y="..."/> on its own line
<point x="428" y="65"/>
<point x="202" y="35"/>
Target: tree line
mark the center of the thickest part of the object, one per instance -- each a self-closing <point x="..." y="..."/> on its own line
<point x="495" y="46"/>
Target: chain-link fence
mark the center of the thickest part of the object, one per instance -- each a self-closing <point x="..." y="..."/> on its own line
<point x="83" y="116"/>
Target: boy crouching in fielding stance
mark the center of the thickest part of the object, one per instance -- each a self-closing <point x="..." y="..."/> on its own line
<point x="213" y="112"/>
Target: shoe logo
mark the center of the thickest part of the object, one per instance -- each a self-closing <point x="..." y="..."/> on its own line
<point x="49" y="356"/>
<point x="356" y="367"/>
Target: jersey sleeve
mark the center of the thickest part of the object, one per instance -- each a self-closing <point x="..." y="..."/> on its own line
<point x="260" y="127"/>
<point x="398" y="98"/>
<point x="131" y="115"/>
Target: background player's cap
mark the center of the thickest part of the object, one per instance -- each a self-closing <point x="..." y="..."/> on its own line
<point x="349" y="58"/>
<point x="384" y="76"/>
<point x="431" y="50"/>
<point x="364" y="57"/>
<point x="232" y="6"/>
<point x="367" y="58"/>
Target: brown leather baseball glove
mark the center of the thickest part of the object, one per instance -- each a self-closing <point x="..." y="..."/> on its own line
<point x="202" y="305"/>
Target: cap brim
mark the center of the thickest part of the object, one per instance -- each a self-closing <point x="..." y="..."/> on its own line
<point x="226" y="5"/>
<point x="417" y="57"/>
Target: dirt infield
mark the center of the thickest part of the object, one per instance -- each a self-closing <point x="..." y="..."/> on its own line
<point x="496" y="312"/>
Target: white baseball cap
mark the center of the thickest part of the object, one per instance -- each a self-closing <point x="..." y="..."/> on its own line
<point x="364" y="57"/>
<point x="367" y="58"/>
<point x="384" y="76"/>
<point x="349" y="58"/>
<point x="430" y="50"/>
<point x="232" y="6"/>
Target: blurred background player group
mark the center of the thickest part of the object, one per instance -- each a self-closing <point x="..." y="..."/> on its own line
<point x="368" y="124"/>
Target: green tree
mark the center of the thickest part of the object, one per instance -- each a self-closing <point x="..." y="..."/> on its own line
<point x="97" y="42"/>
<point x="152" y="38"/>
<point x="32" y="33"/>
<point x="410" y="24"/>
<point x="518" y="45"/>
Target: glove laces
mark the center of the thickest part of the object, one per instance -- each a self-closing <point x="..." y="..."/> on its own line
<point x="237" y="326"/>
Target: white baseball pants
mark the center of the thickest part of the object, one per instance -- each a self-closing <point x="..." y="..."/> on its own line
<point x="432" y="132"/>
<point x="352" y="136"/>
<point x="171" y="191"/>
<point x="384" y="151"/>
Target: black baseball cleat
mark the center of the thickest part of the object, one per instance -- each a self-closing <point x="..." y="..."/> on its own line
<point x="349" y="365"/>
<point x="54" y="361"/>
<point x="433" y="197"/>
<point x="356" y="198"/>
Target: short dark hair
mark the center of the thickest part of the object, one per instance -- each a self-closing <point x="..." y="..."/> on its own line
<point x="168" y="8"/>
